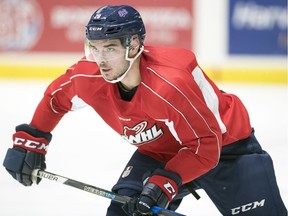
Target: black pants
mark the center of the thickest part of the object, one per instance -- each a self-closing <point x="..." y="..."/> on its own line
<point x="243" y="183"/>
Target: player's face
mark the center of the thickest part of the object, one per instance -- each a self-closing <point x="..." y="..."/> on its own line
<point x="110" y="57"/>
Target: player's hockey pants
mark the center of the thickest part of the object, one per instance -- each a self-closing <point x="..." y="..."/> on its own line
<point x="243" y="183"/>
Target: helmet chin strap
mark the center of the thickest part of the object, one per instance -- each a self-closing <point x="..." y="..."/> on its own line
<point x="131" y="61"/>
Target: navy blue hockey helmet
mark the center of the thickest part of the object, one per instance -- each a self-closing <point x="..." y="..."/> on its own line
<point x="113" y="22"/>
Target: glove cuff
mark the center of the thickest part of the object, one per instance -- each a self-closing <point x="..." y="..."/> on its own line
<point x="167" y="181"/>
<point x="31" y="139"/>
<point x="34" y="131"/>
<point x="169" y="174"/>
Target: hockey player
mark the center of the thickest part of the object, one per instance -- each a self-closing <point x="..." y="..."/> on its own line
<point x="188" y="133"/>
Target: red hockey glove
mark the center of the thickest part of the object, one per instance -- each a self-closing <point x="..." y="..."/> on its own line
<point x="28" y="153"/>
<point x="159" y="190"/>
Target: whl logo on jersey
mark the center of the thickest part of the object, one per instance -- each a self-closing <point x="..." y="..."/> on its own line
<point x="140" y="134"/>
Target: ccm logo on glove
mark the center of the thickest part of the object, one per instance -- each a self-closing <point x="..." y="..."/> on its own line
<point x="30" y="143"/>
<point x="169" y="187"/>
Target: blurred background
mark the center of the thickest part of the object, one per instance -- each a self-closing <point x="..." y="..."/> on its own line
<point x="237" y="40"/>
<point x="240" y="44"/>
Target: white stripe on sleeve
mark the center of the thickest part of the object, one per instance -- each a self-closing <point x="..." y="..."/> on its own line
<point x="209" y="95"/>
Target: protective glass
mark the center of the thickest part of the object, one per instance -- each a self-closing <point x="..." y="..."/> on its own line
<point x="108" y="53"/>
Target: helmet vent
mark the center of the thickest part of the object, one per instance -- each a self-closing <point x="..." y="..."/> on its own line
<point x="112" y="20"/>
<point x="113" y="30"/>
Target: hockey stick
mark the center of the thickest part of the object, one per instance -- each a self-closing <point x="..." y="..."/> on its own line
<point x="96" y="190"/>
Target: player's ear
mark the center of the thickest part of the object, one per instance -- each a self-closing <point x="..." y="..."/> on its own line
<point x="134" y="47"/>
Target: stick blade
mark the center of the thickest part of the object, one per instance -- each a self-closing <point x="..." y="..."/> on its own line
<point x="164" y="212"/>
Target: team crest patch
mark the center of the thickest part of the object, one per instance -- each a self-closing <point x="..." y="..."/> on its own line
<point x="127" y="171"/>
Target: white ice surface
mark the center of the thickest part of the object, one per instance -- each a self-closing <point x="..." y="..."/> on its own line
<point x="85" y="149"/>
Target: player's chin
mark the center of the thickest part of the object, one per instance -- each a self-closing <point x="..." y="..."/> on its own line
<point x="108" y="78"/>
<point x="106" y="75"/>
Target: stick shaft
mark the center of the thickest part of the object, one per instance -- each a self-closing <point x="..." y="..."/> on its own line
<point x="95" y="190"/>
<point x="80" y="185"/>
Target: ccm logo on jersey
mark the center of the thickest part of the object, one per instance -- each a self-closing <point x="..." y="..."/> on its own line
<point x="30" y="144"/>
<point x="140" y="134"/>
<point x="247" y="207"/>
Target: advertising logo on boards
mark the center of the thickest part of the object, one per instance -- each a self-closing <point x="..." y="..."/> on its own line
<point x="21" y="24"/>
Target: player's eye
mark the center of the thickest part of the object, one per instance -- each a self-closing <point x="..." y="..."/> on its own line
<point x="92" y="48"/>
<point x="110" y="49"/>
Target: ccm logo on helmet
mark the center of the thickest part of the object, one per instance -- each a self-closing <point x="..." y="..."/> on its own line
<point x="95" y="28"/>
<point x="30" y="144"/>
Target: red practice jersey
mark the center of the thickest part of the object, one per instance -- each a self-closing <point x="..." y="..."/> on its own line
<point x="177" y="115"/>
